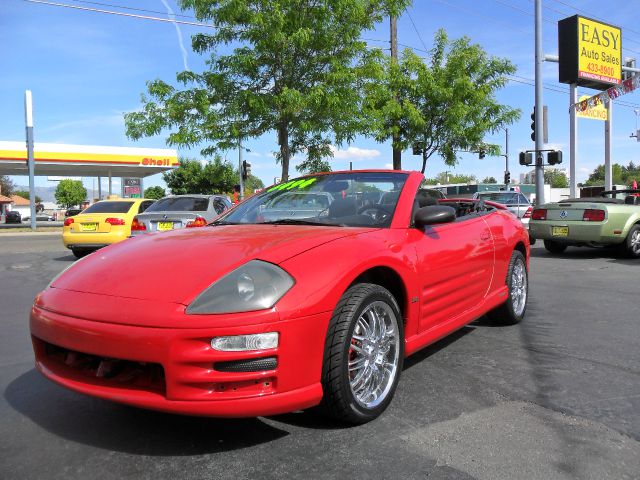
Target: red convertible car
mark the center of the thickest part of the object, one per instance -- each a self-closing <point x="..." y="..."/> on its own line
<point x="259" y="314"/>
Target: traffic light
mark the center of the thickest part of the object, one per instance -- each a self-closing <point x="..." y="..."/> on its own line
<point x="246" y="169"/>
<point x="525" y="158"/>
<point x="554" y="158"/>
<point x="481" y="154"/>
<point x="533" y="125"/>
<point x="545" y="128"/>
<point x="507" y="177"/>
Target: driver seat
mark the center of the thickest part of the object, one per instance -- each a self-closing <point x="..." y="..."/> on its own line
<point x="342" y="207"/>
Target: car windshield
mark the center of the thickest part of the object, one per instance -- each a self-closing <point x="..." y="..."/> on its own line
<point x="346" y="199"/>
<point x="109" y="207"/>
<point x="180" y="204"/>
<point x="500" y="197"/>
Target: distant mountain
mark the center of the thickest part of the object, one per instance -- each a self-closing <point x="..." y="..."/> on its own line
<point x="47" y="194"/>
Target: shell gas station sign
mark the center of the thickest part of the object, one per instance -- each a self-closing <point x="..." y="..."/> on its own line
<point x="86" y="160"/>
<point x="590" y="53"/>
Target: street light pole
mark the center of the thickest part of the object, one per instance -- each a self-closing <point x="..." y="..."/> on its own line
<point x="538" y="104"/>
<point x="28" y="117"/>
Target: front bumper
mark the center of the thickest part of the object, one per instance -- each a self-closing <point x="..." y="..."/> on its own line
<point x="186" y="380"/>
<point x="580" y="232"/>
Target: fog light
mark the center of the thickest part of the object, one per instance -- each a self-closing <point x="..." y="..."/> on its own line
<point x="239" y="343"/>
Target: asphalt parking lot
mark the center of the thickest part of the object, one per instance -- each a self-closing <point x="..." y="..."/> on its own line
<point x="555" y="397"/>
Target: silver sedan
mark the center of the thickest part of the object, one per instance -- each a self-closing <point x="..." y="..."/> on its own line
<point x="179" y="211"/>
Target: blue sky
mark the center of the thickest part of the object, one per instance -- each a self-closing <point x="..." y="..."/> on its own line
<point x="86" y="69"/>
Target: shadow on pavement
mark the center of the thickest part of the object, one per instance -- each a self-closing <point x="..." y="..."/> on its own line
<point x="436" y="347"/>
<point x="587" y="253"/>
<point x="126" y="429"/>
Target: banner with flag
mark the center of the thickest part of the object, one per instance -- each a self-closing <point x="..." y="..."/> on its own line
<point x="629" y="85"/>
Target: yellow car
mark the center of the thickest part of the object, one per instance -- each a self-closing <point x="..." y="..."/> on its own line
<point x="101" y="224"/>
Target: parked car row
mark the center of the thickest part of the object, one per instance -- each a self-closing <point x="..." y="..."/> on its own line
<point x="111" y="221"/>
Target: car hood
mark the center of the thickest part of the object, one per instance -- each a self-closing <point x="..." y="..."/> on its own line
<point x="176" y="266"/>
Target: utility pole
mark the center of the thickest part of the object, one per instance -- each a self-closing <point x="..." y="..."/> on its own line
<point x="241" y="195"/>
<point x="538" y="103"/>
<point x="507" y="174"/>
<point x="393" y="24"/>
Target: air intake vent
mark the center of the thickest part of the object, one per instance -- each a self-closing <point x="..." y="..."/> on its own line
<point x="255" y="365"/>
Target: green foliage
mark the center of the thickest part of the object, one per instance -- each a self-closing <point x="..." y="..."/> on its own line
<point x="25" y="194"/>
<point x="444" y="105"/>
<point x="295" y="69"/>
<point x="154" y="193"/>
<point x="489" y="180"/>
<point x="70" y="193"/>
<point x="216" y="176"/>
<point x="444" y="178"/>
<point x="313" y="166"/>
<point x="556" y="178"/>
<point x="252" y="183"/>
<point x="6" y="186"/>
<point x="621" y="175"/>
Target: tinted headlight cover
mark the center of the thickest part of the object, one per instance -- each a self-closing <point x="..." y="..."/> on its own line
<point x="256" y="285"/>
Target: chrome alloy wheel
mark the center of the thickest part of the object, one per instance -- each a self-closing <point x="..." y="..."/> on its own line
<point x="374" y="354"/>
<point x="519" y="286"/>
<point x="634" y="243"/>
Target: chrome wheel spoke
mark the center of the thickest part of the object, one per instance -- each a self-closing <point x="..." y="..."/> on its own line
<point x="375" y="353"/>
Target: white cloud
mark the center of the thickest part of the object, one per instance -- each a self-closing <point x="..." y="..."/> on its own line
<point x="388" y="165"/>
<point x="354" y="153"/>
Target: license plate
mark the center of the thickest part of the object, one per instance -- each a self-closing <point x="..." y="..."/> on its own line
<point x="560" y="231"/>
<point x="165" y="226"/>
<point x="88" y="227"/>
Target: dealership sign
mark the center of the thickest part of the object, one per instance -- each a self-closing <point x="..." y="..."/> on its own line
<point x="590" y="53"/>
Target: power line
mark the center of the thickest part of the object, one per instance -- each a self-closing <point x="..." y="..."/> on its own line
<point x="417" y="32"/>
<point x="123" y="14"/>
<point x="588" y="13"/>
<point x="115" y="5"/>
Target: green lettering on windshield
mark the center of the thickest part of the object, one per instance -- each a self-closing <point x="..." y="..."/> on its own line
<point x="299" y="184"/>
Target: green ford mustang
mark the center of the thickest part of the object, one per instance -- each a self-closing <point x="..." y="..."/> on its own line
<point x="612" y="219"/>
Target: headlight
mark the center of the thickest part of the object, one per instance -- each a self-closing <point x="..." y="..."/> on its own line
<point x="256" y="285"/>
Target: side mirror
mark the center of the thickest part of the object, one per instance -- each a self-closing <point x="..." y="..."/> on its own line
<point x="432" y="215"/>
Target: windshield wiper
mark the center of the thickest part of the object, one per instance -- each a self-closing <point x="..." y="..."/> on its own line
<point x="294" y="221"/>
<point x="223" y="222"/>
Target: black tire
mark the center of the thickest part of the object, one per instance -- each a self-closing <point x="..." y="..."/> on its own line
<point x="511" y="312"/>
<point x="554" y="247"/>
<point x="631" y="246"/>
<point x="80" y="252"/>
<point x="339" y="400"/>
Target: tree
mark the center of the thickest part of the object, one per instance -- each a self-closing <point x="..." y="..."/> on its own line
<point x="70" y="193"/>
<point x="444" y="106"/>
<point x="621" y="175"/>
<point x="216" y="176"/>
<point x="155" y="193"/>
<point x="253" y="183"/>
<point x="448" y="177"/>
<point x="489" y="180"/>
<point x="314" y="166"/>
<point x="294" y="69"/>
<point x="25" y="194"/>
<point x="556" y="178"/>
<point x="6" y="186"/>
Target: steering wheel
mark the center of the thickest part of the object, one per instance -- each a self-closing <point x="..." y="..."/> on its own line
<point x="377" y="212"/>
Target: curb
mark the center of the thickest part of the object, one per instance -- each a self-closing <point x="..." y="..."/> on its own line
<point x="30" y="234"/>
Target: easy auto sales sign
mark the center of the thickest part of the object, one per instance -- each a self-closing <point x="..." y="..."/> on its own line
<point x="590" y="53"/>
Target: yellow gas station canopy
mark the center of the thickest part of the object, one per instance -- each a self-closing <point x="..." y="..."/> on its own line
<point x="86" y="160"/>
